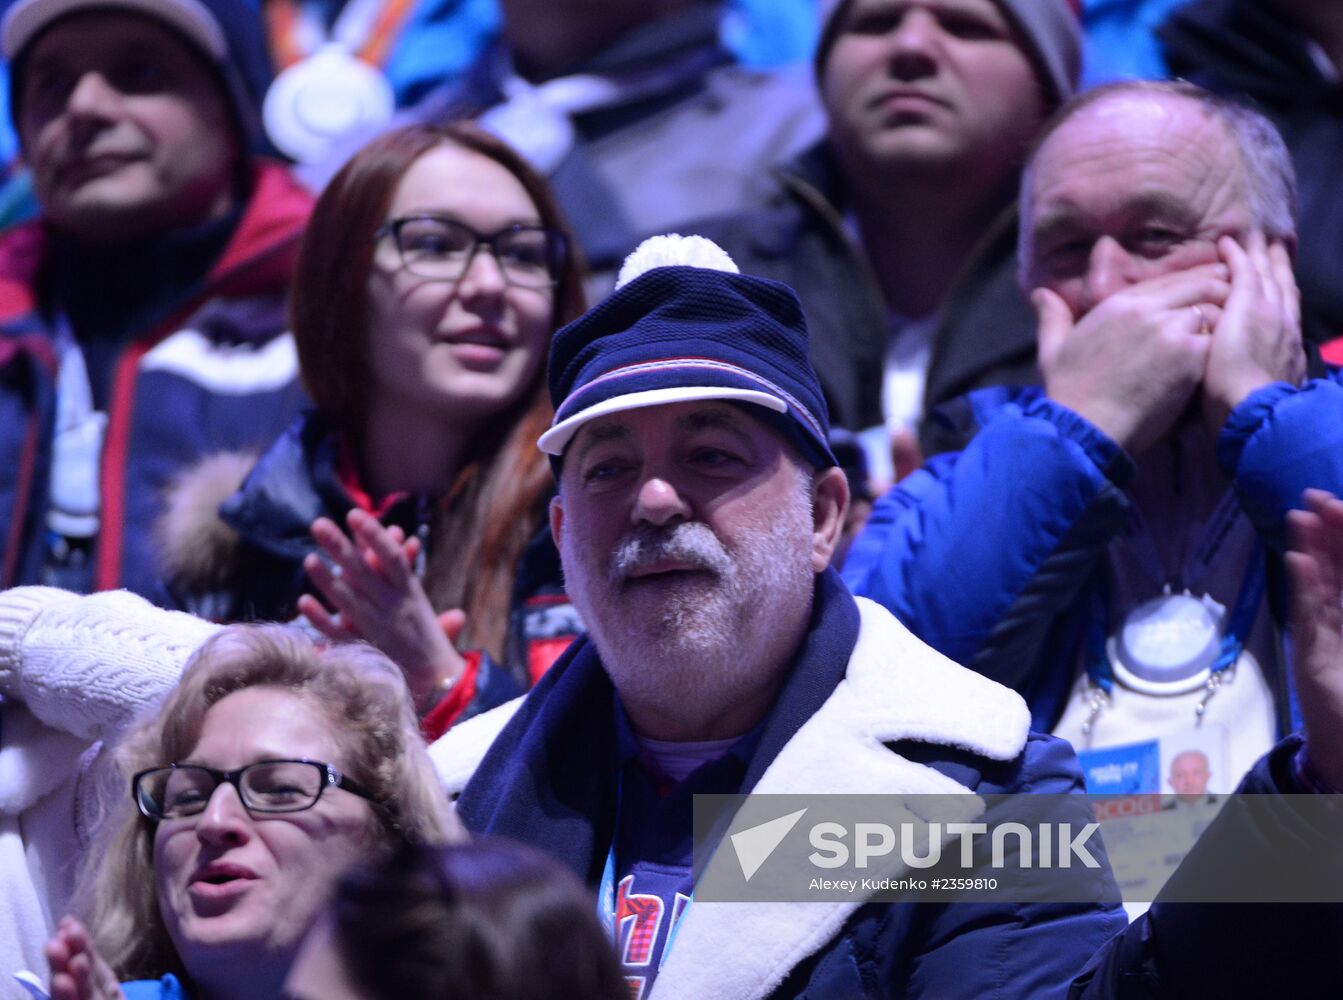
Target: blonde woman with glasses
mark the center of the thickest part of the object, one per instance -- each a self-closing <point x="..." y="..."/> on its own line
<point x="270" y="770"/>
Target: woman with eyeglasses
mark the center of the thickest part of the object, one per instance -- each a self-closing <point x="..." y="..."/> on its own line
<point x="271" y="769"/>
<point x="432" y="274"/>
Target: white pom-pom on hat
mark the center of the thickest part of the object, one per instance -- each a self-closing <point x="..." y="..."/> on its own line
<point x="674" y="250"/>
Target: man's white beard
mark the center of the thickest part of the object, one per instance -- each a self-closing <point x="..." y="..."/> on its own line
<point x="699" y="638"/>
<point x="694" y="612"/>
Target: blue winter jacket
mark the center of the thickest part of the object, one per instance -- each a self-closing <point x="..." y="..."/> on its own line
<point x="990" y="554"/>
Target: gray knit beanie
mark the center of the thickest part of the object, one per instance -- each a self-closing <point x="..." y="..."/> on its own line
<point x="1049" y="28"/>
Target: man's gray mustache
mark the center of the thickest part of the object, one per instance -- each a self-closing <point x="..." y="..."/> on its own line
<point x="690" y="542"/>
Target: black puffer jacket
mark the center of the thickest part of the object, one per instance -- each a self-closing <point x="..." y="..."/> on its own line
<point x="246" y="563"/>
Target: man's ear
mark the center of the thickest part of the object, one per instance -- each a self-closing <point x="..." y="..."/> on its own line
<point x="556" y="519"/>
<point x="829" y="502"/>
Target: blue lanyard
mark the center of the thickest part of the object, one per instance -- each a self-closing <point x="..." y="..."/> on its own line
<point x="606" y="894"/>
<point x="1234" y="638"/>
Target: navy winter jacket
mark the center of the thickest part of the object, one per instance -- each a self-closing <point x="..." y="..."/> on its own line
<point x="220" y="373"/>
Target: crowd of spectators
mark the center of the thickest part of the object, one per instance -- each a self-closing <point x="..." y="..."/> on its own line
<point x="400" y="528"/>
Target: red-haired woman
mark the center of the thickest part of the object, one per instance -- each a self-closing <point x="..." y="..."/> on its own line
<point x="431" y="277"/>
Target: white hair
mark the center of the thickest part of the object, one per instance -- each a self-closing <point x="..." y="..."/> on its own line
<point x="1270" y="178"/>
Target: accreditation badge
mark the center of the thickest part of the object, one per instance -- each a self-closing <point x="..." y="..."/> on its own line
<point x="1168" y="645"/>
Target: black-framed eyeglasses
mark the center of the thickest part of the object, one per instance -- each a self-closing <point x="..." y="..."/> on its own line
<point x="442" y="249"/>
<point x="177" y="791"/>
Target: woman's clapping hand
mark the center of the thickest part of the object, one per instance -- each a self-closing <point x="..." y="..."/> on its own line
<point x="367" y="577"/>
<point x="78" y="972"/>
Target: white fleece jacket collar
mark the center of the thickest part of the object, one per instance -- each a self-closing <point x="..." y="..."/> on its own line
<point x="896" y="688"/>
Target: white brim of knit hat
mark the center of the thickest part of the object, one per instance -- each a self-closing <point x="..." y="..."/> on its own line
<point x="26" y="19"/>
<point x="555" y="440"/>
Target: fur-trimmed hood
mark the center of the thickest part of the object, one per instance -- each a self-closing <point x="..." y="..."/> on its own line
<point x="237" y="525"/>
<point x="196" y="547"/>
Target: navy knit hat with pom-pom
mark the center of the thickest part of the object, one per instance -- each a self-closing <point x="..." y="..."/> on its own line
<point x="682" y="325"/>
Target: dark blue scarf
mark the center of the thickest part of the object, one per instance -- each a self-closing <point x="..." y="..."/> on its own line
<point x="549" y="777"/>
